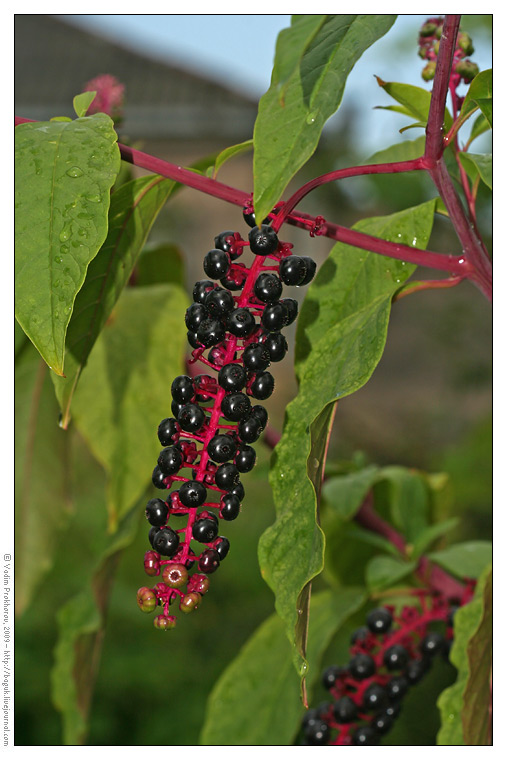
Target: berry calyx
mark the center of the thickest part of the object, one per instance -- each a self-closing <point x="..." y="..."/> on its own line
<point x="263" y="240"/>
<point x="175" y="575"/>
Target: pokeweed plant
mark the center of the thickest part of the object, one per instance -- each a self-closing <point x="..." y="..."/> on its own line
<point x="81" y="227"/>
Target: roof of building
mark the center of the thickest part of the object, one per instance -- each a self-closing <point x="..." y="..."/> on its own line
<point x="54" y="60"/>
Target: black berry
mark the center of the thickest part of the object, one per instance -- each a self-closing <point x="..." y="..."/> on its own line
<point x="192" y="494"/>
<point x="375" y="697"/>
<point x="256" y="357"/>
<point x="277" y="346"/>
<point x="166" y="542"/>
<point x="292" y="270"/>
<point x="268" y="288"/>
<point x="365" y="736"/>
<point x="210" y="332"/>
<point x="191" y="418"/>
<point x="311" y="267"/>
<point x="240" y="323"/>
<point x="396" y="657"/>
<point x="227" y="476"/>
<point x="330" y="676"/>
<point x="209" y="561"/>
<point x="221" y="448"/>
<point x="156" y="512"/>
<point x="222" y="547"/>
<point x="250" y="429"/>
<point x="168" y="431"/>
<point x="201" y="290"/>
<point x="432" y="643"/>
<point x="232" y="377"/>
<point x="397" y="687"/>
<point x="275" y="316"/>
<point x="170" y="460"/>
<point x="219" y="302"/>
<point x="292" y="309"/>
<point x="216" y="263"/>
<point x="205" y="530"/>
<point x="230" y="507"/>
<point x="362" y="666"/>
<point x="263" y="385"/>
<point x="379" y="620"/>
<point x="245" y="458"/>
<point x="263" y="240"/>
<point x="345" y="710"/>
<point x="157" y="478"/>
<point x="195" y="315"/>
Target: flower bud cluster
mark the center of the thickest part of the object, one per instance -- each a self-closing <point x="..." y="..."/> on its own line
<point x="429" y="41"/>
<point x="388" y="656"/>
<point x="235" y="331"/>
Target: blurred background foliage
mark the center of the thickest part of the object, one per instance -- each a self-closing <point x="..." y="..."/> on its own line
<point x="427" y="406"/>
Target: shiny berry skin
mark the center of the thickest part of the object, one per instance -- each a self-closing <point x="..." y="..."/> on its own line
<point x="330" y="676"/>
<point x="151" y="563"/>
<point x="396" y="657"/>
<point x="277" y="346"/>
<point x="382" y="723"/>
<point x="263" y="240"/>
<point x="156" y="512"/>
<point x="191" y="418"/>
<point x="209" y="561"/>
<point x="432" y="644"/>
<point x="193" y="339"/>
<point x="219" y="302"/>
<point x="210" y="332"/>
<point x="235" y="406"/>
<point x="245" y="458"/>
<point x="241" y="323"/>
<point x="168" y="431"/>
<point x="235" y="279"/>
<point x="232" y="377"/>
<point x="216" y="263"/>
<point x="379" y="620"/>
<point x="227" y="476"/>
<point x="166" y="542"/>
<point x="262" y="386"/>
<point x="182" y="389"/>
<point x="164" y="623"/>
<point x="397" y="687"/>
<point x="268" y="288"/>
<point x="230" y="507"/>
<point x="250" y="429"/>
<point x="375" y="697"/>
<point x="222" y="243"/>
<point x="362" y="666"/>
<point x="221" y="448"/>
<point x="311" y="267"/>
<point x="238" y="491"/>
<point x="359" y="634"/>
<point x="192" y="494"/>
<point x="153" y="532"/>
<point x="249" y="217"/>
<point x="190" y="602"/>
<point x="175" y="576"/>
<point x="146" y="599"/>
<point x="292" y="270"/>
<point x="170" y="460"/>
<point x="205" y="531"/>
<point x="260" y="412"/>
<point x="345" y="710"/>
<point x="256" y="357"/>
<point x="222" y="548"/>
<point x="365" y="736"/>
<point x="416" y="670"/>
<point x="275" y="316"/>
<point x="201" y="290"/>
<point x="176" y="408"/>
<point x="317" y="733"/>
<point x="199" y="583"/>
<point x="158" y="477"/>
<point x="292" y="308"/>
<point x="195" y="315"/>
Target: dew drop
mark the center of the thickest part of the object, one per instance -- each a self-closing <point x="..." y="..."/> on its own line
<point x="57" y="314"/>
<point x="414" y="241"/>
<point x="93" y="198"/>
<point x="75" y="171"/>
<point x="60" y="418"/>
<point x="82" y="232"/>
<point x="64" y="248"/>
<point x="58" y="259"/>
<point x="66" y="233"/>
<point x="310" y="119"/>
<point x="56" y="283"/>
<point x="461" y="261"/>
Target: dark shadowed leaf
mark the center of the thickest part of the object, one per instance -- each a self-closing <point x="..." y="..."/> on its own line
<point x="159" y="264"/>
<point x="64" y="172"/>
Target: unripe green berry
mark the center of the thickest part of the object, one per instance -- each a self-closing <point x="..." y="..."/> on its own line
<point x="438" y="32"/>
<point x="428" y="73"/>
<point x="436" y="47"/>
<point x="175" y="576"/>
<point x="465" y="43"/>
<point x="428" y="30"/>
<point x="164" y="623"/>
<point x="199" y="583"/>
<point x="146" y="599"/>
<point x="467" y="70"/>
<point x="190" y="602"/>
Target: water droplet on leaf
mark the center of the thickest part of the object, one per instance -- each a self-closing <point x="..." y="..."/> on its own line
<point x="75" y="171"/>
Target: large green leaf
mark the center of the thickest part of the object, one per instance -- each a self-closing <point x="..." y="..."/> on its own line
<point x="478" y="164"/>
<point x="81" y="623"/>
<point x="402" y="151"/>
<point x="256" y="701"/>
<point x="134" y="208"/>
<point x="466" y="560"/>
<point x="64" y="172"/>
<point x="344" y="494"/>
<point x="42" y="496"/>
<point x="312" y="62"/>
<point x="125" y="392"/>
<point x="467" y="629"/>
<point x="340" y="338"/>
<point x="480" y="94"/>
<point x="414" y="100"/>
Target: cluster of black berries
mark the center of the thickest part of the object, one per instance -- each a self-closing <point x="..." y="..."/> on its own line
<point x="429" y="42"/>
<point x="234" y="330"/>
<point x="389" y="655"/>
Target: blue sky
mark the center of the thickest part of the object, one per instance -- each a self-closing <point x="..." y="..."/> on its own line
<point x="238" y="51"/>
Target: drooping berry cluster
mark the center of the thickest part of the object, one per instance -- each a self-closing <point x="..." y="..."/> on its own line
<point x="214" y="417"/>
<point x="389" y="655"/>
<point x="429" y="42"/>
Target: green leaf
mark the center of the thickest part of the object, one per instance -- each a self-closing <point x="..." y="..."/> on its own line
<point x="64" y="172"/>
<point x="415" y="125"/>
<point x="256" y="700"/>
<point x="427" y="536"/>
<point x="42" y="498"/>
<point x="371" y="538"/>
<point x="479" y="126"/>
<point x="134" y="208"/>
<point x="481" y="164"/>
<point x="415" y="100"/>
<point x="345" y="494"/>
<point x="480" y="94"/>
<point x="312" y="62"/>
<point x="124" y="395"/>
<point x="227" y="154"/>
<point x="467" y="621"/>
<point x="486" y="106"/>
<point x="408" y="500"/>
<point x="83" y="101"/>
<point x="159" y="264"/>
<point x="383" y="572"/>
<point x="477" y="695"/>
<point x="340" y="338"/>
<point x="466" y="560"/>
<point x="81" y="623"/>
<point x="402" y="151"/>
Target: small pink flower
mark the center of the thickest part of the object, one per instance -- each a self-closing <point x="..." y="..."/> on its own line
<point x="109" y="98"/>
